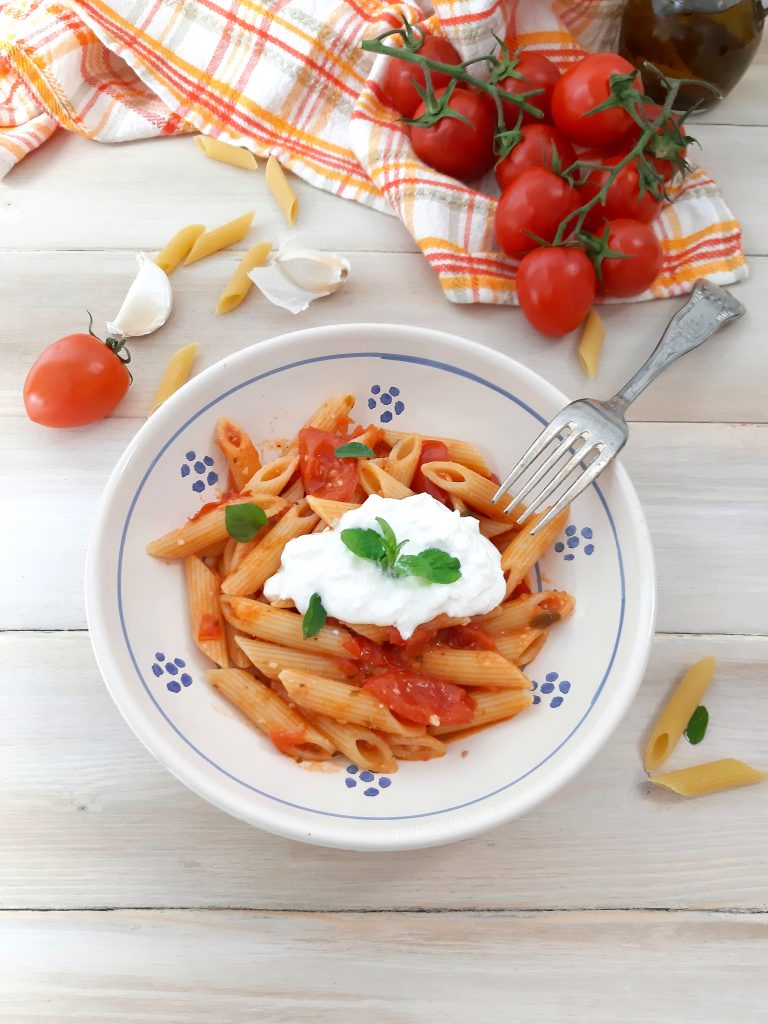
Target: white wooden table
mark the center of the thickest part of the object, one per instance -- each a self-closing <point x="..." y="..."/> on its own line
<point x="126" y="898"/>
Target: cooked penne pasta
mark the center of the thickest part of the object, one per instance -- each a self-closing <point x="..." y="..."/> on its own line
<point x="524" y="551"/>
<point x="264" y="560"/>
<point x="228" y="555"/>
<point x="416" y="748"/>
<point x="466" y="484"/>
<point x="209" y="527"/>
<point x="492" y="528"/>
<point x="330" y="511"/>
<point x="239" y="451"/>
<point x="205" y="620"/>
<point x="674" y="718"/>
<point x="285" y="727"/>
<point x="490" y="706"/>
<point x="343" y="703"/>
<point x="522" y="646"/>
<point x="284" y="195"/>
<point x="374" y="479"/>
<point x="219" y="238"/>
<point x="591" y="343"/>
<point x="713" y="777"/>
<point x="536" y="610"/>
<point x="460" y="451"/>
<point x="403" y="459"/>
<point x="237" y="655"/>
<point x="332" y="414"/>
<point x="175" y="374"/>
<point x="362" y="746"/>
<point x="284" y="627"/>
<point x="272" y="477"/>
<point x="378" y="634"/>
<point x="171" y="255"/>
<point x="294" y="491"/>
<point x="271" y="659"/>
<point x="473" y="668"/>
<point x="240" y="283"/>
<point x="226" y="153"/>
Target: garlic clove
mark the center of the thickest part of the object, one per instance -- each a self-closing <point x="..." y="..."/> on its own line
<point x="297" y="276"/>
<point x="147" y="304"/>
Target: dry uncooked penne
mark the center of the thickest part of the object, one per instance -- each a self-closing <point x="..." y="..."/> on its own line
<point x="713" y="777"/>
<point x="171" y="255"/>
<point x="674" y="718"/>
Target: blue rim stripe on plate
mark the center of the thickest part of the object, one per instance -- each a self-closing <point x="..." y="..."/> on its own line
<point x="435" y="364"/>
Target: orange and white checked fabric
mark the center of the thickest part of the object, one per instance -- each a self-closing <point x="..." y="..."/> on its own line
<point x="288" y="77"/>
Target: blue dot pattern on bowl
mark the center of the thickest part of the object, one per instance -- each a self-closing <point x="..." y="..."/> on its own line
<point x="575" y="540"/>
<point x="201" y="469"/>
<point x="162" y="667"/>
<point x="390" y="399"/>
<point x="553" y="689"/>
<point x="354" y="776"/>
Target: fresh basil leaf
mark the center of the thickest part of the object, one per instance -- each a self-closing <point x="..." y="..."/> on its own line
<point x="432" y="564"/>
<point x="314" y="617"/>
<point x="697" y="725"/>
<point x="354" y="450"/>
<point x="244" y="521"/>
<point x="391" y="547"/>
<point x="365" y="544"/>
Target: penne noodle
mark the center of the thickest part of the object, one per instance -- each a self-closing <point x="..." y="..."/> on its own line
<point x="522" y="646"/>
<point x="537" y="610"/>
<point x="213" y="551"/>
<point x="226" y="153"/>
<point x="240" y="283"/>
<point x="403" y="458"/>
<point x="294" y="492"/>
<point x="175" y="374"/>
<point x="285" y="727"/>
<point x="416" y="748"/>
<point x="333" y="414"/>
<point x="271" y="659"/>
<point x="591" y="343"/>
<point x="464" y="483"/>
<point x="713" y="777"/>
<point x="239" y="451"/>
<point x="524" y="551"/>
<point x="378" y="634"/>
<point x="490" y="706"/>
<point x="473" y="668"/>
<point x="330" y="511"/>
<point x="362" y="746"/>
<point x="283" y="627"/>
<point x="171" y="255"/>
<point x="343" y="703"/>
<point x="210" y="527"/>
<point x="460" y="451"/>
<point x="492" y="528"/>
<point x="376" y="480"/>
<point x="273" y="476"/>
<point x="205" y="618"/>
<point x="674" y="718"/>
<point x="281" y="190"/>
<point x="371" y="436"/>
<point x="228" y="555"/>
<point x="219" y="238"/>
<point x="264" y="560"/>
<point x="237" y="655"/>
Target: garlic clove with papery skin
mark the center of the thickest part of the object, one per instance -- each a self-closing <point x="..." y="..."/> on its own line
<point x="147" y="304"/>
<point x="297" y="276"/>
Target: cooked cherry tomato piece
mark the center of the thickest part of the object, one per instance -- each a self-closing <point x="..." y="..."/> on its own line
<point x="471" y="637"/>
<point x="556" y="288"/>
<point x="418" y="698"/>
<point x="400" y="74"/>
<point x="322" y="473"/>
<point x="534" y="149"/>
<point x="630" y="276"/>
<point x="533" y="204"/>
<point x="582" y="88"/>
<point x="209" y="627"/>
<point x="286" y="739"/>
<point x="431" y="451"/>
<point x="462" y="149"/>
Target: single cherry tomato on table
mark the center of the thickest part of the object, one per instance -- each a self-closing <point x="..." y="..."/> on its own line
<point x="640" y="268"/>
<point x="418" y="698"/>
<point x="534" y="149"/>
<point x="463" y="148"/>
<point x="323" y="474"/>
<point x="536" y="72"/>
<point x="400" y="74"/>
<point x="77" y="380"/>
<point x="582" y="88"/>
<point x="535" y="202"/>
<point x="623" y="199"/>
<point x="556" y="288"/>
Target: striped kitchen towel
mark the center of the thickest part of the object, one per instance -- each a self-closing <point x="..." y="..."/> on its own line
<point x="288" y="77"/>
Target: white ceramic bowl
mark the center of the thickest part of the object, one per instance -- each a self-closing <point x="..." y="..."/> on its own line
<point x="586" y="675"/>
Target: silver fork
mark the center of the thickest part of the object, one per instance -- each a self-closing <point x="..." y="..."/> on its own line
<point x="592" y="433"/>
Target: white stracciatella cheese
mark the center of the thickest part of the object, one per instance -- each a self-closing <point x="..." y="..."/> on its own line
<point x="356" y="590"/>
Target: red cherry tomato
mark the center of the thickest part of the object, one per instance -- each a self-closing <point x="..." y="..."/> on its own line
<point x="417" y="698"/>
<point x="534" y="149"/>
<point x="461" y="149"/>
<point x="322" y="473"/>
<point x="556" y="288"/>
<point x="401" y="74"/>
<point x="583" y="87"/>
<point x="630" y="276"/>
<point x="76" y="380"/>
<point x="431" y="451"/>
<point x="535" y="202"/>
<point x="623" y="199"/>
<point x="537" y="73"/>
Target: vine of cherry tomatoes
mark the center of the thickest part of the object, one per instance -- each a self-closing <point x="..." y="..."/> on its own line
<point x="582" y="160"/>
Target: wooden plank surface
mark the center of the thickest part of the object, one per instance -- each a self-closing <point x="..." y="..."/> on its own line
<point x="91" y="820"/>
<point x="195" y="968"/>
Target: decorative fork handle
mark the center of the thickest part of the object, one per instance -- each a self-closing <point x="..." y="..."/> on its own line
<point x="708" y="308"/>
